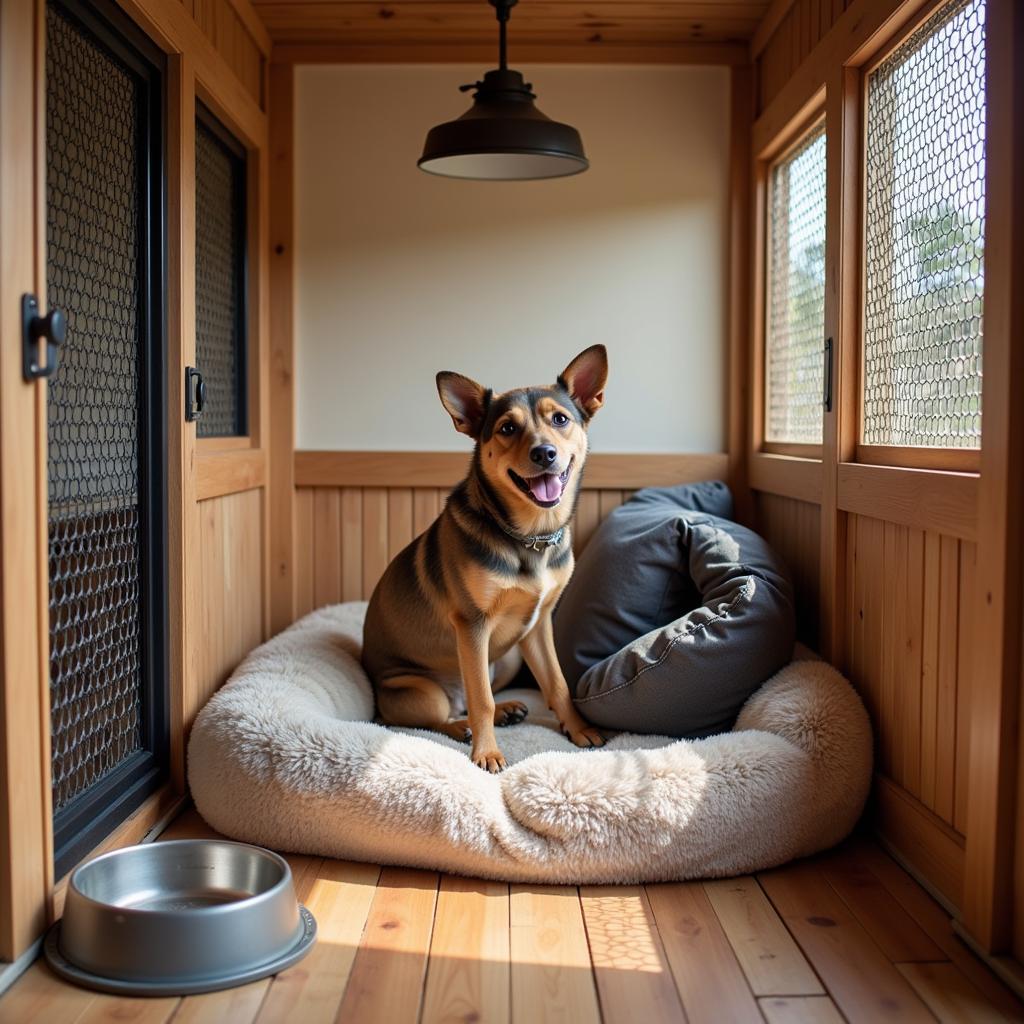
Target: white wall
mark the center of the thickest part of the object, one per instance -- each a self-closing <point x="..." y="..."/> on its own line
<point x="400" y="274"/>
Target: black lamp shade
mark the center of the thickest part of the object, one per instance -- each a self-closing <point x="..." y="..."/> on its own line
<point x="503" y="137"/>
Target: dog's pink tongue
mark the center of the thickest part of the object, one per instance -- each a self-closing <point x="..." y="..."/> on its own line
<point x="546" y="487"/>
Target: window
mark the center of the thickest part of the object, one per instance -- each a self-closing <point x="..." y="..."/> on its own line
<point x="796" y="294"/>
<point x="220" y="277"/>
<point x="924" y="236"/>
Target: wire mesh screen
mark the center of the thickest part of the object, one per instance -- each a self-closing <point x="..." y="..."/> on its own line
<point x="924" y="236"/>
<point x="220" y="281"/>
<point x="93" y="273"/>
<point x="796" y="295"/>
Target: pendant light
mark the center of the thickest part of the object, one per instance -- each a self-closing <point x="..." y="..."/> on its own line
<point x="503" y="136"/>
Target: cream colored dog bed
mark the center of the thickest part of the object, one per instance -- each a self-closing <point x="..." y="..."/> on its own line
<point x="287" y="755"/>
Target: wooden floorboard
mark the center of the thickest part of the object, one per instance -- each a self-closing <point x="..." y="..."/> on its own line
<point x="866" y="986"/>
<point x="767" y="953"/>
<point x="552" y="977"/>
<point x="847" y="936"/>
<point x="468" y="965"/>
<point x="710" y="980"/>
<point x="634" y="981"/>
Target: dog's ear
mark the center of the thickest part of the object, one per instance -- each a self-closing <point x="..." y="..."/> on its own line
<point x="585" y="377"/>
<point x="465" y="400"/>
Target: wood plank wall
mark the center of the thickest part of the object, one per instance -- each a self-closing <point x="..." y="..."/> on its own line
<point x="799" y="31"/>
<point x="346" y="536"/>
<point x="793" y="528"/>
<point x="230" y="566"/>
<point x="238" y="36"/>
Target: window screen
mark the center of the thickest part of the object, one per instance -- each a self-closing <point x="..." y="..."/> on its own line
<point x="220" y="277"/>
<point x="924" y="236"/>
<point x="796" y="294"/>
<point x="105" y="418"/>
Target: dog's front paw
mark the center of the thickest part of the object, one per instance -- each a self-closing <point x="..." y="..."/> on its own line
<point x="584" y="735"/>
<point x="510" y="712"/>
<point x="492" y="761"/>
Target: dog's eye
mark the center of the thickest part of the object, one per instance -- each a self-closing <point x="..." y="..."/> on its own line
<point x="507" y="429"/>
<point x="559" y="419"/>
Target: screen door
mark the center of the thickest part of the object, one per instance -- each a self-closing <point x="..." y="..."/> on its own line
<point x="105" y="415"/>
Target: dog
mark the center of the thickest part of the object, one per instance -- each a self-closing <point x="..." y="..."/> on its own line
<point x="460" y="608"/>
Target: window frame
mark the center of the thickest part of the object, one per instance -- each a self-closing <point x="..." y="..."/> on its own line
<point x="938" y="459"/>
<point x="248" y="390"/>
<point x="782" y="147"/>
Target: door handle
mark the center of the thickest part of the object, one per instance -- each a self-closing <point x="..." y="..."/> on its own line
<point x="51" y="329"/>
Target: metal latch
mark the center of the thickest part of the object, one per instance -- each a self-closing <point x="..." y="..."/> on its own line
<point x="195" y="394"/>
<point x="51" y="329"/>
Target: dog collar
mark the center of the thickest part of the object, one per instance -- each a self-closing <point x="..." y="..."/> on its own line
<point x="537" y="541"/>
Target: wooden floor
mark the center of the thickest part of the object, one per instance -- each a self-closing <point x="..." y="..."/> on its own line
<point x="845" y="936"/>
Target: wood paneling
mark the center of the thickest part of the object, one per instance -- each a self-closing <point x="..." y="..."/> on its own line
<point x="238" y="35"/>
<point x="797" y="31"/>
<point x="793" y="529"/>
<point x="544" y="22"/>
<point x="910" y="604"/>
<point x="346" y="536"/>
<point x="230" y="569"/>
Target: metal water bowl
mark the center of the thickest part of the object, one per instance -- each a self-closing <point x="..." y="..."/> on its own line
<point x="176" y="918"/>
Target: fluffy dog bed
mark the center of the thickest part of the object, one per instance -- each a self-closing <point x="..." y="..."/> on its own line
<point x="286" y="755"/>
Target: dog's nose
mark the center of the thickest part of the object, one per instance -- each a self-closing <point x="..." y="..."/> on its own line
<point x="543" y="454"/>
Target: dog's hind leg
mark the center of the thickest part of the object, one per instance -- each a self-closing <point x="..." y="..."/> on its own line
<point x="416" y="702"/>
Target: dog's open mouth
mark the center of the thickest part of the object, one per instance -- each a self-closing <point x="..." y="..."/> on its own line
<point x="545" y="489"/>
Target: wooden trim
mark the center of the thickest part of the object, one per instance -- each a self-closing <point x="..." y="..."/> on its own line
<point x="921" y="498"/>
<point x="186" y="612"/>
<point x="796" y="451"/>
<point x="770" y="142"/>
<point x="445" y="469"/>
<point x="924" y="840"/>
<point x="173" y="29"/>
<point x="156" y="812"/>
<point x="181" y="436"/>
<point x="990" y="896"/>
<point x="949" y="460"/>
<point x="768" y="25"/>
<point x="282" y="373"/>
<point x="786" y="475"/>
<point x="839" y="425"/>
<point x="253" y="25"/>
<point x="727" y="54"/>
<point x="25" y="817"/>
<point x="862" y="29"/>
<point x="229" y="473"/>
<point x="741" y="109"/>
<point x="212" y="445"/>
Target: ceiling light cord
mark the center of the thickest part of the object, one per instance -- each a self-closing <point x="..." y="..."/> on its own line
<point x="503" y="10"/>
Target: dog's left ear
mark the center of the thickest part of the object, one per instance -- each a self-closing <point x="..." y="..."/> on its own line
<point x="585" y="377"/>
<point x="465" y="400"/>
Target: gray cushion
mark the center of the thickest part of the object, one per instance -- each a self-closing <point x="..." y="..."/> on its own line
<point x="674" y="616"/>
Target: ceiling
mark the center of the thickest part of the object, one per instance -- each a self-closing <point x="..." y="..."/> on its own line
<point x="535" y="25"/>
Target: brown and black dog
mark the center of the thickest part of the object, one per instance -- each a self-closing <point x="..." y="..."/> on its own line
<point x="455" y="605"/>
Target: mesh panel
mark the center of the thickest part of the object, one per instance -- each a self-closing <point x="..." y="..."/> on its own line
<point x="93" y="273"/>
<point x="220" y="270"/>
<point x="924" y="236"/>
<point x="796" y="301"/>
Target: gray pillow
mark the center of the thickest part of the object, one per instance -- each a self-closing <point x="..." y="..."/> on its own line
<point x="674" y="615"/>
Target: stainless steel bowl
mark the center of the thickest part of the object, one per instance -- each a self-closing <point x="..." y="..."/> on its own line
<point x="174" y="918"/>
